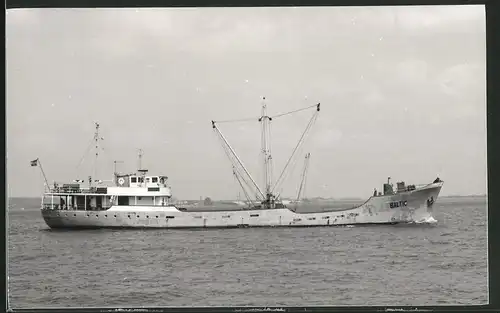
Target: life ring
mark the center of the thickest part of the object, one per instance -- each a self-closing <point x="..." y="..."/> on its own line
<point x="121" y="181"/>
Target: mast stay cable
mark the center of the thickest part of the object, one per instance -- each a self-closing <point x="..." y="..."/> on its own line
<point x="237" y="173"/>
<point x="313" y="119"/>
<point x="266" y="138"/>
<point x="221" y="136"/>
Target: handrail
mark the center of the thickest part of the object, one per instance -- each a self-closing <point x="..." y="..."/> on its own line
<point x="59" y="207"/>
<point x="86" y="190"/>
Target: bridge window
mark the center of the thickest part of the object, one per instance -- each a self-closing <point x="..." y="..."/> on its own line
<point x="169" y="216"/>
<point x="123" y="200"/>
<point x="154" y="179"/>
<point x="254" y="215"/>
<point x="133" y="179"/>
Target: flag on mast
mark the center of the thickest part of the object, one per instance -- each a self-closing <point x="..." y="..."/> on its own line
<point x="34" y="162"/>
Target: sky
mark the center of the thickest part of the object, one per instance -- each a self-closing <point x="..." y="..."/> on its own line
<point x="402" y="93"/>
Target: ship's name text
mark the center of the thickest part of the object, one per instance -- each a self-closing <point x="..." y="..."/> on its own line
<point x="398" y="204"/>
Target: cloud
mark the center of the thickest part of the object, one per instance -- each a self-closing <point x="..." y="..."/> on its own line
<point x="443" y="17"/>
<point x="122" y="32"/>
<point x="458" y="80"/>
<point x="21" y="17"/>
<point x="465" y="87"/>
<point x="425" y="80"/>
<point x="327" y="138"/>
<point x="412" y="71"/>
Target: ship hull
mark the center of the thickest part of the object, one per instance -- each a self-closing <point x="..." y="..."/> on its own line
<point x="406" y="207"/>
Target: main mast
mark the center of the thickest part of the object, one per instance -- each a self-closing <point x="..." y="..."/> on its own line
<point x="266" y="150"/>
<point x="267" y="196"/>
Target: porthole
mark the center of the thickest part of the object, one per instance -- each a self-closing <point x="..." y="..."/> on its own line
<point x="147" y="216"/>
<point x="115" y="215"/>
<point x="97" y="216"/>
<point x="137" y="216"/>
<point x="128" y="216"/>
<point x="156" y="216"/>
<point x="74" y="214"/>
<point x="106" y="216"/>
<point x="87" y="215"/>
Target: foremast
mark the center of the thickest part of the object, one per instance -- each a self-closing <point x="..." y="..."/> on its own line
<point x="97" y="138"/>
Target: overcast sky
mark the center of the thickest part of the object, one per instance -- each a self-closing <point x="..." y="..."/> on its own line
<point x="402" y="92"/>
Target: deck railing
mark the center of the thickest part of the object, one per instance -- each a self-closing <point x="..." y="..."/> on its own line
<point x="73" y="190"/>
<point x="73" y="208"/>
<point x="83" y="190"/>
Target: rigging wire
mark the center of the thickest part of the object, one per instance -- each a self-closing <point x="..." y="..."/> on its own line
<point x="309" y="125"/>
<point x="247" y="196"/>
<point x="266" y="137"/>
<point x="292" y="168"/>
<point x="97" y="140"/>
<point x="236" y="157"/>
<point x="256" y="119"/>
<point x="86" y="151"/>
<point x="295" y="111"/>
<point x="236" y="168"/>
<point x="239" y="120"/>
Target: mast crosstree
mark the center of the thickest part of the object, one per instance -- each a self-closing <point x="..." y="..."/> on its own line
<point x="267" y="195"/>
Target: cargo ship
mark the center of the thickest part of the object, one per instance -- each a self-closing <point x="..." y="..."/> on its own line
<point x="143" y="200"/>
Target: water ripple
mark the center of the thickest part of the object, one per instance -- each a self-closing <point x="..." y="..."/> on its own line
<point x="443" y="263"/>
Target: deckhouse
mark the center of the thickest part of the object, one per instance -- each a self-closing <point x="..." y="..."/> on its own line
<point x="126" y="190"/>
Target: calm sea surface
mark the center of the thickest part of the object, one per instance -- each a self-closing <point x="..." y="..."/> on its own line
<point x="443" y="263"/>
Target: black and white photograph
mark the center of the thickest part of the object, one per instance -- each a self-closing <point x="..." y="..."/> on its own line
<point x="246" y="156"/>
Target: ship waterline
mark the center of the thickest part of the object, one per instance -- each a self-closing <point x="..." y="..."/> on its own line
<point x="405" y="207"/>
